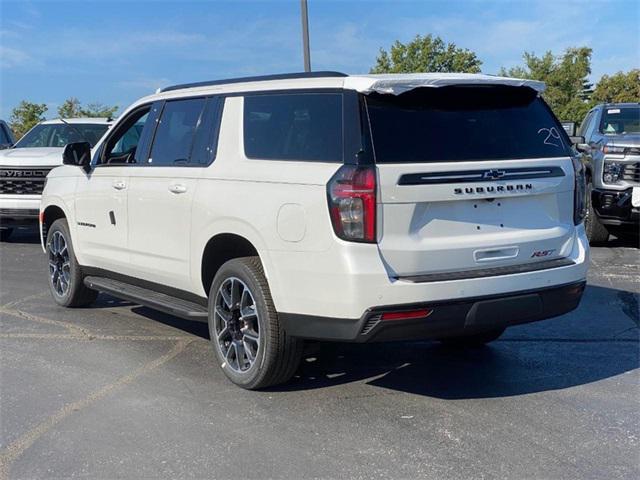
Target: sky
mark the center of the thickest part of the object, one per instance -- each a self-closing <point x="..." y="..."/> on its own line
<point x="114" y="52"/>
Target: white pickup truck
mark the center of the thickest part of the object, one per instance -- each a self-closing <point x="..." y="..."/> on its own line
<point x="24" y="166"/>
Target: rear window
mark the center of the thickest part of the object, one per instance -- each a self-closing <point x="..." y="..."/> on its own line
<point x="463" y="123"/>
<point x="297" y="126"/>
<point x="620" y="120"/>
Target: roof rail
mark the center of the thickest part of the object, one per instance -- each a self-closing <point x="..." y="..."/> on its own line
<point x="262" y="78"/>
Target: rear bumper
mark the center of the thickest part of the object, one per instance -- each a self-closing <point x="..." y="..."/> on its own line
<point x="460" y="317"/>
<point x="614" y="208"/>
<point x="350" y="279"/>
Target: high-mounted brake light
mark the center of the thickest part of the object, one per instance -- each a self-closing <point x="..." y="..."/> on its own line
<point x="351" y="193"/>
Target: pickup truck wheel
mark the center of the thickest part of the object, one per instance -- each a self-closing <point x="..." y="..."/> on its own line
<point x="5" y="233"/>
<point x="474" y="340"/>
<point x="248" y="340"/>
<point x="65" y="277"/>
<point x="596" y="232"/>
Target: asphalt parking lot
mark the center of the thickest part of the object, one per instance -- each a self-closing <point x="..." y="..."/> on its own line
<point x="120" y="391"/>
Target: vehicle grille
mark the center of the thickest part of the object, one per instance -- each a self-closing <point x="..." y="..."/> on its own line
<point x="632" y="151"/>
<point x="631" y="173"/>
<point x="22" y="181"/>
<point x="19" y="212"/>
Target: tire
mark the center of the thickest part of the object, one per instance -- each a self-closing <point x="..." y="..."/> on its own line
<point x="596" y="232"/>
<point x="473" y="340"/>
<point x="65" y="276"/>
<point x="256" y="332"/>
<point x="5" y="233"/>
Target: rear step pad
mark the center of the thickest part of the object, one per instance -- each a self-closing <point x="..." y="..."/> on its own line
<point x="158" y="301"/>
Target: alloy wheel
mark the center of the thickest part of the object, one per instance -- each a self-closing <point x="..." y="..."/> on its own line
<point x="236" y="324"/>
<point x="59" y="263"/>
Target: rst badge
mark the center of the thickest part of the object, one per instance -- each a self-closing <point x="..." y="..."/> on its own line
<point x="542" y="253"/>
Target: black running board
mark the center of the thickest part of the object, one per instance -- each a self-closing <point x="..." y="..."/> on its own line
<point x="148" y="298"/>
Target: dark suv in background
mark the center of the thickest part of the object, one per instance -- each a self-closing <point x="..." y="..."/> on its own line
<point x="612" y="155"/>
<point x="6" y="135"/>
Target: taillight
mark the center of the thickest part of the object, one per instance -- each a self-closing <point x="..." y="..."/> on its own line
<point x="352" y="203"/>
<point x="580" y="190"/>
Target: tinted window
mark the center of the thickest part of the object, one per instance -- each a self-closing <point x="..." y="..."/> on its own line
<point x="174" y="136"/>
<point x="4" y="138"/>
<point x="127" y="145"/>
<point x="463" y="123"/>
<point x="58" y="135"/>
<point x="294" y="126"/>
<point x="591" y="125"/>
<point x="206" y="140"/>
<point x="129" y="141"/>
<point x="620" y="120"/>
<point x="583" y="126"/>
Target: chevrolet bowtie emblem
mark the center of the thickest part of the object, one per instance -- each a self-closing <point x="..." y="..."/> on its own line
<point x="493" y="174"/>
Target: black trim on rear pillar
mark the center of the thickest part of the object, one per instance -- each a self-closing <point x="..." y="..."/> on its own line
<point x="448" y="318"/>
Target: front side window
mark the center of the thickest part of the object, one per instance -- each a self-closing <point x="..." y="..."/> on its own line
<point x="463" y="124"/>
<point x="59" y="135"/>
<point x="174" y="136"/>
<point x="126" y="145"/>
<point x="129" y="140"/>
<point x="620" y="120"/>
<point x="591" y="125"/>
<point x="296" y="126"/>
<point x="585" y="123"/>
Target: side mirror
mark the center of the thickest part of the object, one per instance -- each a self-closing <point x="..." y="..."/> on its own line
<point x="569" y="127"/>
<point x="580" y="144"/>
<point x="78" y="154"/>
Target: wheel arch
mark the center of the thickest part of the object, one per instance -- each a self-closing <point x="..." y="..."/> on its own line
<point x="221" y="248"/>
<point x="50" y="214"/>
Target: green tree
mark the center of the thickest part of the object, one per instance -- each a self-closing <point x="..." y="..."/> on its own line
<point x="98" y="110"/>
<point x="71" y="108"/>
<point x="426" y="54"/>
<point x="566" y="76"/>
<point x="25" y="116"/>
<point x="620" y="87"/>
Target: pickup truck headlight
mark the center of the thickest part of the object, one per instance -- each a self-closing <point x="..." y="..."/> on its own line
<point x="611" y="172"/>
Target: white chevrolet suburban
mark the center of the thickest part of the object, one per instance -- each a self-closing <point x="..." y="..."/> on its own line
<point x="325" y="206"/>
<point x="24" y="166"/>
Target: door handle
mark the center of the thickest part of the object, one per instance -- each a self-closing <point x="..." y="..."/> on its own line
<point x="177" y="188"/>
<point x="119" y="185"/>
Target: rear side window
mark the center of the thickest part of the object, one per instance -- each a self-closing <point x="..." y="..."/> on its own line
<point x="297" y="126"/>
<point x="205" y="143"/>
<point x="463" y="124"/>
<point x="175" y="133"/>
